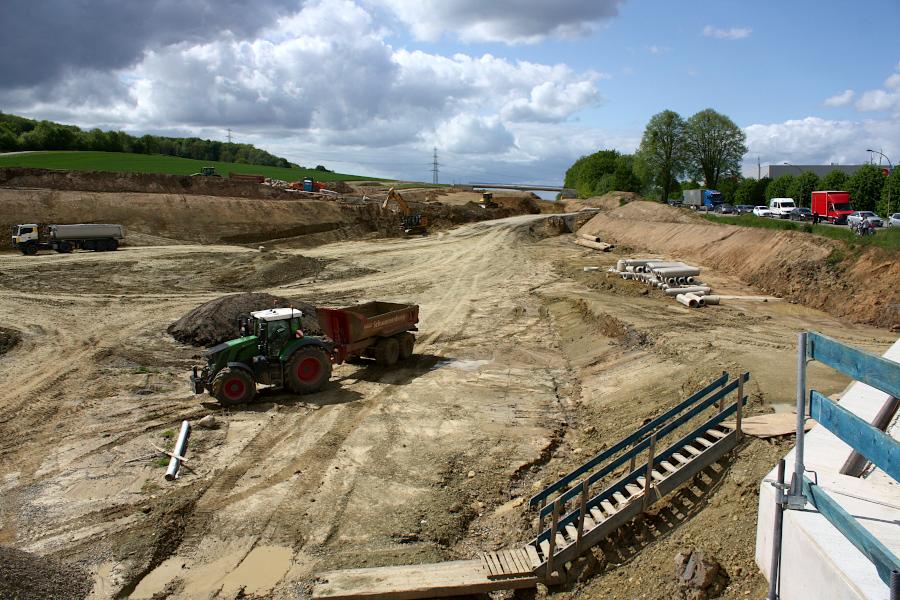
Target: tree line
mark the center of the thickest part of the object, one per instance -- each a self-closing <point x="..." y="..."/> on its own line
<point x="707" y="146"/>
<point x="676" y="154"/>
<point x="19" y="133"/>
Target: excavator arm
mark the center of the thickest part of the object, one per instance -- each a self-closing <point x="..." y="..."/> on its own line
<point x="395" y="197"/>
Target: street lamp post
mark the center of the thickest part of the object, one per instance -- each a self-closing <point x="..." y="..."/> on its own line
<point x="890" y="173"/>
<point x="799" y="170"/>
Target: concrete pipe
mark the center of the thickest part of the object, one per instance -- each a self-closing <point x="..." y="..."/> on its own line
<point x="691" y="280"/>
<point x="699" y="299"/>
<point x="689" y="302"/>
<point x="595" y="245"/>
<point x="629" y="269"/>
<point x="697" y="289"/>
<point x="589" y="269"/>
<point x="681" y="280"/>
<point x="620" y="265"/>
<point x="590" y="238"/>
<point x="678" y="271"/>
<point x="711" y="299"/>
<point x="664" y="264"/>
<point x="640" y="261"/>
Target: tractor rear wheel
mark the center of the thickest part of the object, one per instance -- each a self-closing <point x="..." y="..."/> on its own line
<point x="387" y="351"/>
<point x="307" y="370"/>
<point x="406" y="342"/>
<point x="233" y="386"/>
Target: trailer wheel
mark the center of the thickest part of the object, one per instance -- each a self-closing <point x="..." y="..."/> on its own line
<point x="112" y="245"/>
<point x="307" y="370"/>
<point x="387" y="351"/>
<point x="406" y="341"/>
<point x="233" y="386"/>
<point x="64" y="247"/>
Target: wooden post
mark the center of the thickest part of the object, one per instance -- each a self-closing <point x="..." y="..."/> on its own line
<point x="631" y="462"/>
<point x="740" y="406"/>
<point x="553" y="525"/>
<point x="648" y="482"/>
<point x="585" y="486"/>
<point x="722" y="399"/>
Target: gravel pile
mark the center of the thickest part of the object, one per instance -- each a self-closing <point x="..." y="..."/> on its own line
<point x="26" y="576"/>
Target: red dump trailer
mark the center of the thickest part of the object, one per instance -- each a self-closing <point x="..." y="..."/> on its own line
<point x="379" y="330"/>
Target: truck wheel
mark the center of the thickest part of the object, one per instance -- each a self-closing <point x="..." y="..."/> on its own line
<point x="406" y="341"/>
<point x="112" y="245"/>
<point x="64" y="248"/>
<point x="307" y="370"/>
<point x="233" y="386"/>
<point x="387" y="351"/>
<point x="29" y="249"/>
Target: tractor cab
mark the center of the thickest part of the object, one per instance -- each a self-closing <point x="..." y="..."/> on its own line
<point x="271" y="350"/>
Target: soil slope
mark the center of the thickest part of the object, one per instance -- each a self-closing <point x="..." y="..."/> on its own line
<point x="819" y="272"/>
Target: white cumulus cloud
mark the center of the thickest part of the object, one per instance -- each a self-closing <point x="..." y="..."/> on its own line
<point x="886" y="99"/>
<point x="842" y="99"/>
<point x="734" y="33"/>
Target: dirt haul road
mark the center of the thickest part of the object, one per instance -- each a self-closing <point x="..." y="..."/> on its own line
<point x="525" y="365"/>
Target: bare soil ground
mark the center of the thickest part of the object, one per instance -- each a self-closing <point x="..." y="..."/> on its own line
<point x="525" y="366"/>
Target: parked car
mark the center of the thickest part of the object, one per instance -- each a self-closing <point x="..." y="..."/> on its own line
<point x="864" y="215"/>
<point x="801" y="214"/>
<point x="762" y="211"/>
<point x="894" y="220"/>
<point x="743" y="209"/>
<point x="671" y="202"/>
<point x="724" y="209"/>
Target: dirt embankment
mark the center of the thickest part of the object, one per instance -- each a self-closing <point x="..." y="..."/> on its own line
<point x="154" y="183"/>
<point x="856" y="284"/>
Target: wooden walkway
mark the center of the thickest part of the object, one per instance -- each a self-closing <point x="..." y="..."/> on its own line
<point x="417" y="581"/>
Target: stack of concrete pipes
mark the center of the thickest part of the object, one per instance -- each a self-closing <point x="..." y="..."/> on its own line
<point x="674" y="278"/>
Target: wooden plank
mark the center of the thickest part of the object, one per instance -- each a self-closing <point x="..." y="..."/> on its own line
<point x="492" y="564"/>
<point x="627" y="441"/>
<point x="881" y="449"/>
<point x="716" y="433"/>
<point x="692" y="450"/>
<point x="598" y="516"/>
<point x="485" y="562"/>
<point x="414" y="581"/>
<point x="657" y="476"/>
<point x="633" y="489"/>
<point x="561" y="541"/>
<point x="703" y="441"/>
<point x="502" y="563"/>
<point x="884" y="560"/>
<point x="622" y="500"/>
<point x="873" y="370"/>
<point x="680" y="458"/>
<point x="589" y="523"/>
<point x="533" y="557"/>
<point x="520" y="560"/>
<point x="771" y="425"/>
<point x="668" y="466"/>
<point x="545" y="549"/>
<point x="572" y="531"/>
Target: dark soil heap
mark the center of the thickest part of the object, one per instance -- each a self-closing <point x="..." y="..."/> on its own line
<point x="9" y="339"/>
<point x="26" y="576"/>
<point x="215" y="321"/>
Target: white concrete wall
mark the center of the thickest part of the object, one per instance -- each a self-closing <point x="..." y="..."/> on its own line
<point x="818" y="562"/>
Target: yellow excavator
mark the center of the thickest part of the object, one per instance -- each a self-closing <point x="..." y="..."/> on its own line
<point x="411" y="223"/>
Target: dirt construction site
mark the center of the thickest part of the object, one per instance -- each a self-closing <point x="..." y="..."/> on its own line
<point x="526" y="364"/>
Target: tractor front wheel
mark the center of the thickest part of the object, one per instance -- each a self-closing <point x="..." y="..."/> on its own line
<point x="307" y="370"/>
<point x="233" y="386"/>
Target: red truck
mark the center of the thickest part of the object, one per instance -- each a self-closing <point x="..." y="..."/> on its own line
<point x="832" y="207"/>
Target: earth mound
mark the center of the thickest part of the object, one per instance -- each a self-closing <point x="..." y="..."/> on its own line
<point x="215" y="321"/>
<point x="26" y="576"/>
<point x="9" y="339"/>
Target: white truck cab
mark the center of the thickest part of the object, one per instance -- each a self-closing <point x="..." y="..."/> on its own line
<point x="24" y="233"/>
<point x="782" y="207"/>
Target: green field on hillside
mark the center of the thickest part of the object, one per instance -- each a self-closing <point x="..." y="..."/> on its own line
<point x="122" y="162"/>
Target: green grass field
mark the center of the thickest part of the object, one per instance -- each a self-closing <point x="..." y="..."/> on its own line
<point x="886" y="237"/>
<point x="122" y="162"/>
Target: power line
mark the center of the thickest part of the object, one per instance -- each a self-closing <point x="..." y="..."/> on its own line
<point x="229" y="135"/>
<point x="434" y="167"/>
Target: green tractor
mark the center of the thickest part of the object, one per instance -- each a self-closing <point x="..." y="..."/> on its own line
<point x="206" y="172"/>
<point x="272" y="350"/>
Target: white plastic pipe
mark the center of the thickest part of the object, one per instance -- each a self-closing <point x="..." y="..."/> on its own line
<point x="711" y="299"/>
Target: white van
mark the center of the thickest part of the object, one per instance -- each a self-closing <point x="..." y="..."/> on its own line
<point x="781" y="207"/>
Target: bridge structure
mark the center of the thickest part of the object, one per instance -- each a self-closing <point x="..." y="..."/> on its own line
<point x="524" y="187"/>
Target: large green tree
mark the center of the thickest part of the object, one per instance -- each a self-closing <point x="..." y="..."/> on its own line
<point x="890" y="192"/>
<point x="662" y="155"/>
<point x="715" y="146"/>
<point x="802" y="187"/>
<point x="602" y="172"/>
<point x="865" y="187"/>
<point x="835" y="181"/>
<point x="779" y="187"/>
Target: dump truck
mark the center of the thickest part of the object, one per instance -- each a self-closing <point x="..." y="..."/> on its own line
<point x="272" y="349"/>
<point x="702" y="199"/>
<point x="99" y="237"/>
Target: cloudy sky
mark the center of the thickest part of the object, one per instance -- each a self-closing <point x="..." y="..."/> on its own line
<point x="506" y="90"/>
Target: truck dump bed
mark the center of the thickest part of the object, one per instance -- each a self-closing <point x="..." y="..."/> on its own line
<point x="353" y="324"/>
<point x="86" y="231"/>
